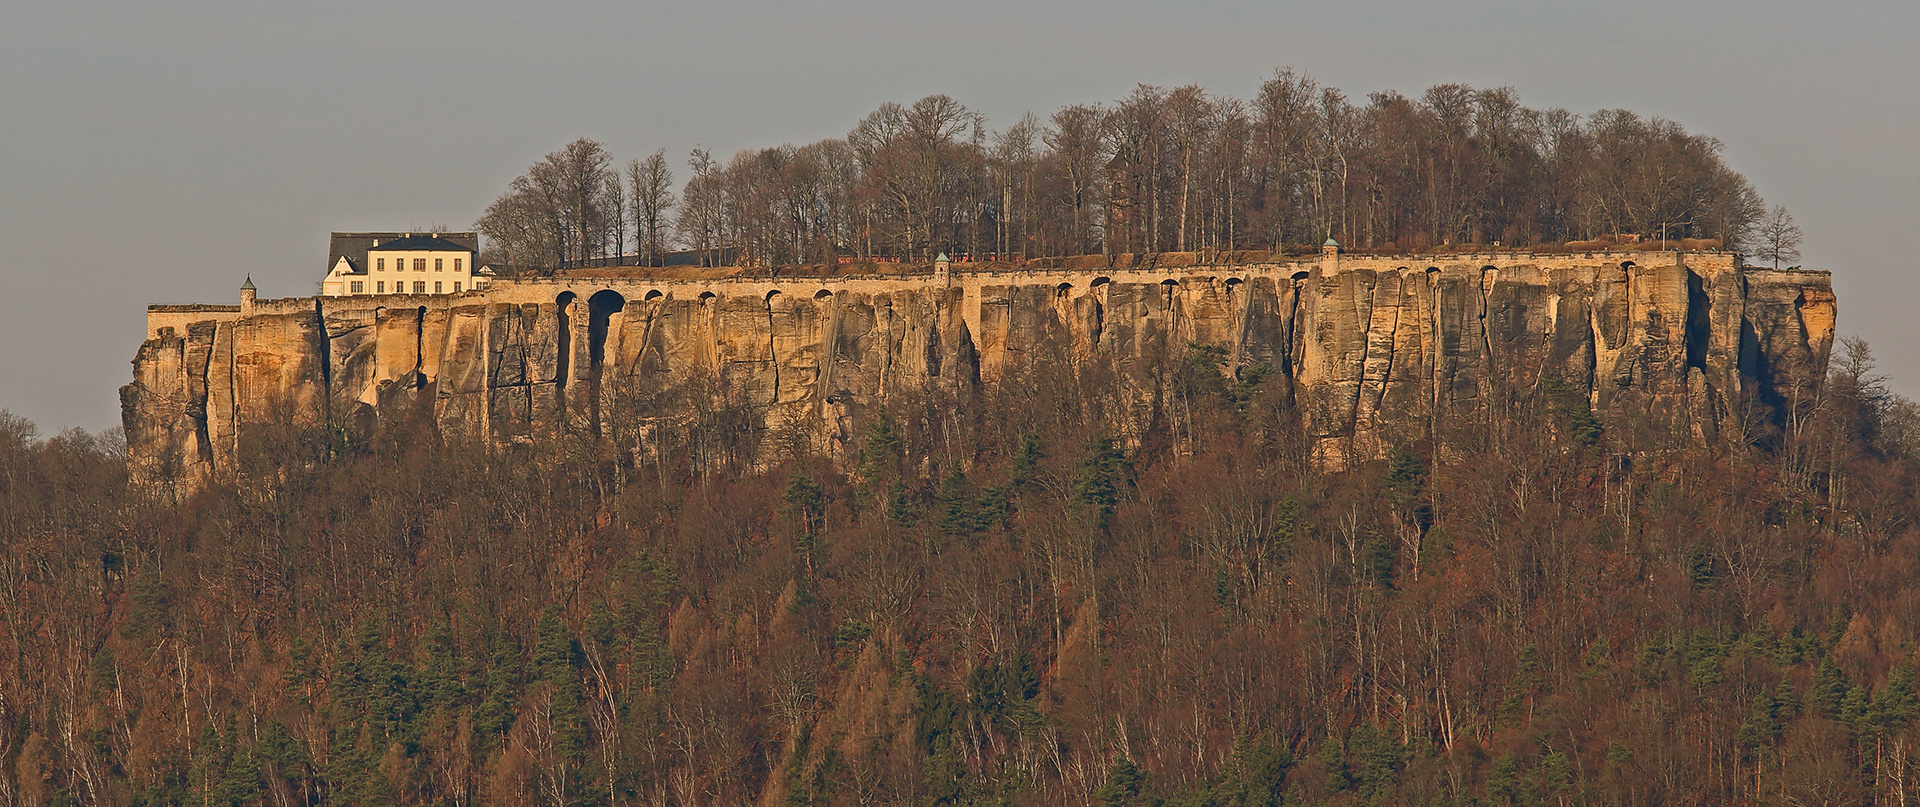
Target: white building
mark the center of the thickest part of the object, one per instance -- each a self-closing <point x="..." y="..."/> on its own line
<point x="412" y="263"/>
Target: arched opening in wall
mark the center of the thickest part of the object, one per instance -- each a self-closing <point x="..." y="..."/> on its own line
<point x="706" y="297"/>
<point x="1300" y="275"/>
<point x="772" y="294"/>
<point x="822" y="294"/>
<point x="563" y="307"/>
<point x="1097" y="292"/>
<point x="1699" y="317"/>
<point x="1063" y="290"/>
<point x="1433" y="276"/>
<point x="652" y="295"/>
<point x="1627" y="266"/>
<point x="600" y="310"/>
<point x="1488" y="276"/>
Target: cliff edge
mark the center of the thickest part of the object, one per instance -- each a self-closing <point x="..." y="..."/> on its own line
<point x="1669" y="348"/>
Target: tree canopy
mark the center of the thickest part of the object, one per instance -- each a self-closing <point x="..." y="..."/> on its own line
<point x="1160" y="170"/>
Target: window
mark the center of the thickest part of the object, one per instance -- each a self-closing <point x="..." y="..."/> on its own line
<point x="456" y="267"/>
<point x="436" y="287"/>
<point x="419" y="264"/>
<point x="436" y="264"/>
<point x="357" y="287"/>
<point x="380" y="264"/>
<point x="379" y="287"/>
<point x="420" y="286"/>
<point x="456" y="284"/>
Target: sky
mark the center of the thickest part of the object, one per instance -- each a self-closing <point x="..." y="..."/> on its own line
<point x="158" y="152"/>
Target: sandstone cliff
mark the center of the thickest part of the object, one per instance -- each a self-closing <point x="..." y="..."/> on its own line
<point x="1669" y="348"/>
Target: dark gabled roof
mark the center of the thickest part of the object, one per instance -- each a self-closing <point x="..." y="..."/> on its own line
<point x="355" y="245"/>
<point x="353" y="267"/>
<point x="431" y="243"/>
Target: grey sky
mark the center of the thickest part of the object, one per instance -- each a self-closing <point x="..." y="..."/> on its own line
<point x="159" y="152"/>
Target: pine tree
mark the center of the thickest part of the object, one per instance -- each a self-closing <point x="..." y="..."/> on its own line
<point x="944" y="768"/>
<point x="1829" y="690"/>
<point x="494" y="716"/>
<point x="951" y="505"/>
<point x="1096" y="485"/>
<point x="1764" y="723"/>
<point x="1896" y="705"/>
<point x="556" y="660"/>
<point x="1123" y="785"/>
<point x="1025" y="470"/>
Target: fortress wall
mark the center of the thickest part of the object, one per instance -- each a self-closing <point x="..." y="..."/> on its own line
<point x="1375" y="351"/>
<point x="180" y="317"/>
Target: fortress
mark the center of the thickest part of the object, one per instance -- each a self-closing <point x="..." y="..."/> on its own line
<point x="1670" y="348"/>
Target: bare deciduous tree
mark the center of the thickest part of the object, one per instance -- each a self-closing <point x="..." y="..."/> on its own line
<point x="1157" y="170"/>
<point x="615" y="195"/>
<point x="1777" y="238"/>
<point x="651" y="182"/>
<point x="700" y="216"/>
<point x="557" y="214"/>
<point x="1080" y="152"/>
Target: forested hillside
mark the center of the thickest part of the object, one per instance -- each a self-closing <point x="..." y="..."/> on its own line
<point x="1161" y="170"/>
<point x="992" y="603"/>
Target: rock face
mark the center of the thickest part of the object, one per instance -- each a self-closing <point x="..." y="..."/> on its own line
<point x="1669" y="348"/>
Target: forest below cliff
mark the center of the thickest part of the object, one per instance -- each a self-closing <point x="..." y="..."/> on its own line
<point x="983" y="600"/>
<point x="1161" y="170"/>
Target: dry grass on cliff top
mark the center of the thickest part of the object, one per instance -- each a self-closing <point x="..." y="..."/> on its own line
<point x="848" y="269"/>
<point x="1123" y="260"/>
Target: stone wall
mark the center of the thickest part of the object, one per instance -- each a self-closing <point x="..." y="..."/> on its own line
<point x="1375" y="350"/>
